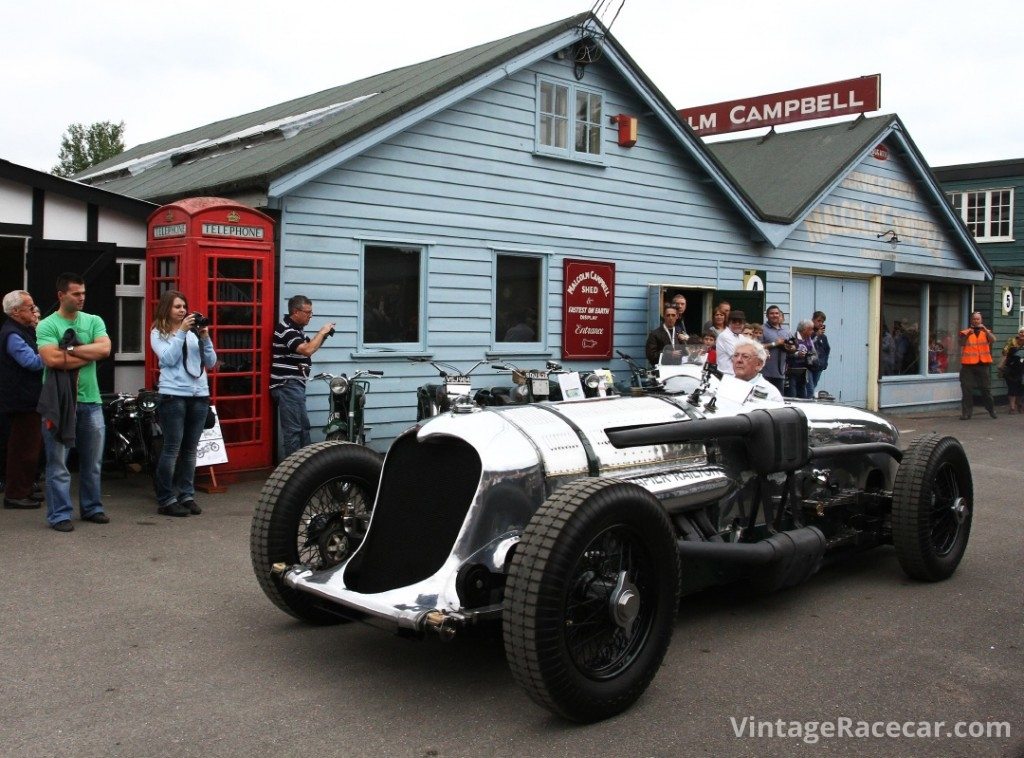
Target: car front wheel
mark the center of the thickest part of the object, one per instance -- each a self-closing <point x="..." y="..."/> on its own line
<point x="313" y="510"/>
<point x="590" y="598"/>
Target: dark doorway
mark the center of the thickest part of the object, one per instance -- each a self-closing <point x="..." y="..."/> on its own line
<point x="97" y="264"/>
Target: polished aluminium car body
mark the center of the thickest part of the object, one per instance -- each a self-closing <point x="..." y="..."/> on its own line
<point x="578" y="524"/>
<point x="527" y="453"/>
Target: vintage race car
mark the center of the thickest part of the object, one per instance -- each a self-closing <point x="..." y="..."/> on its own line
<point x="578" y="525"/>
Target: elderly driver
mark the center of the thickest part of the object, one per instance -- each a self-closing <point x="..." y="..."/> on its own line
<point x="748" y="359"/>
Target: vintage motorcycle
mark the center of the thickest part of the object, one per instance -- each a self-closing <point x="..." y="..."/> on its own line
<point x="133" y="437"/>
<point x="435" y="398"/>
<point x="554" y="383"/>
<point x="641" y="379"/>
<point x="347" y="398"/>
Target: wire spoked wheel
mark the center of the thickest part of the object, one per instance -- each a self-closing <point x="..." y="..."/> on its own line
<point x="932" y="510"/>
<point x="334" y="522"/>
<point x="590" y="598"/>
<point x="949" y="510"/>
<point x="607" y="618"/>
<point x="314" y="510"/>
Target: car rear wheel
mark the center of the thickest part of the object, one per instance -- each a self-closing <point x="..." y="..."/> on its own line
<point x="313" y="510"/>
<point x="932" y="508"/>
<point x="590" y="598"/>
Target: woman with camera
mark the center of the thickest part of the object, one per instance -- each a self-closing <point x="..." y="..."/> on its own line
<point x="181" y="341"/>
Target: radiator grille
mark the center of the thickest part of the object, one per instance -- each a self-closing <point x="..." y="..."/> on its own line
<point x="426" y="490"/>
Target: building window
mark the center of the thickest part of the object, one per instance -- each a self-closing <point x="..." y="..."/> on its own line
<point x="391" y="294"/>
<point x="564" y="112"/>
<point x="987" y="213"/>
<point x="905" y="350"/>
<point x="944" y="315"/>
<point x="518" y="299"/>
<point x="131" y="312"/>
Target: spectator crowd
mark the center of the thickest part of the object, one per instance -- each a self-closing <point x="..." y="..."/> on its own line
<point x="50" y="400"/>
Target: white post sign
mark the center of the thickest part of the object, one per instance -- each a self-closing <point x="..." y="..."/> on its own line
<point x="212" y="449"/>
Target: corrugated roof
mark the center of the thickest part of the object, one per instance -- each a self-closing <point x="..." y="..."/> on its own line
<point x="202" y="161"/>
<point x="783" y="173"/>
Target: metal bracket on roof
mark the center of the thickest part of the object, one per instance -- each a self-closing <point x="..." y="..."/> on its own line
<point x="768" y="135"/>
<point x="856" y="122"/>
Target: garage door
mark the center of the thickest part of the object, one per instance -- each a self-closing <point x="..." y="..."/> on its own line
<point x="845" y="304"/>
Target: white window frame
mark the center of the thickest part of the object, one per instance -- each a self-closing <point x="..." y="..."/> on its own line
<point x="569" y="151"/>
<point x="122" y="292"/>
<point x="394" y="348"/>
<point x="959" y="201"/>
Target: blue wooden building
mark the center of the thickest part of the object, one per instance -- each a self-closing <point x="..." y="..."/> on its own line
<point x="427" y="210"/>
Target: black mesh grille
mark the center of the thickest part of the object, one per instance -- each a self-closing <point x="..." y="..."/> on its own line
<point x="426" y="489"/>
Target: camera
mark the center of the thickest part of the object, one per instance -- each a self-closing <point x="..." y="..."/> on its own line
<point x="977" y="330"/>
<point x="329" y="334"/>
<point x="200" y="321"/>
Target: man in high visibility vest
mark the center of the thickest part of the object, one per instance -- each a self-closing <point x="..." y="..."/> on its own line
<point x="976" y="366"/>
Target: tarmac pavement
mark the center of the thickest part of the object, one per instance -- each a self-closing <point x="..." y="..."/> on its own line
<point x="149" y="636"/>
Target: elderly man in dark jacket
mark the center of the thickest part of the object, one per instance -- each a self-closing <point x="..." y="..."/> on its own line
<point x="21" y="378"/>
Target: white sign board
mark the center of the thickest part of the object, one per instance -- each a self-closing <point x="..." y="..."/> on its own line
<point x="571" y="386"/>
<point x="212" y="449"/>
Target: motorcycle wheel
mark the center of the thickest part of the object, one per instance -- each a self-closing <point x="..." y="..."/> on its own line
<point x="590" y="598"/>
<point x="313" y="510"/>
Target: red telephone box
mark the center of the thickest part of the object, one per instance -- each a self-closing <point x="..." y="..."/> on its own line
<point x="221" y="256"/>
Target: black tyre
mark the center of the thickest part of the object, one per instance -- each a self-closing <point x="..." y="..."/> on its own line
<point x="590" y="598"/>
<point x="313" y="510"/>
<point x="932" y="507"/>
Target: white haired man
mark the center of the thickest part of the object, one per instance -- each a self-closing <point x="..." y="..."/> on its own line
<point x="748" y="359"/>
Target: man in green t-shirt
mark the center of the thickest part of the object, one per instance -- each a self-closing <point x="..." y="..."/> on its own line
<point x="58" y="355"/>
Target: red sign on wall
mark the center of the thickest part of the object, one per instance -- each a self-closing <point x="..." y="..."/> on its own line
<point x="588" y="310"/>
<point x="820" y="101"/>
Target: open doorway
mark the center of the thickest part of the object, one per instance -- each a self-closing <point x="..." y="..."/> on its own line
<point x="12" y="266"/>
<point x="697" y="305"/>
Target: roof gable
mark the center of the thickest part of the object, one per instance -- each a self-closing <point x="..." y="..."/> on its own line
<point x="212" y="158"/>
<point x="256" y="152"/>
<point x="787" y="175"/>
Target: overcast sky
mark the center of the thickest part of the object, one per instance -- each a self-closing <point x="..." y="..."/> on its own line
<point x="950" y="70"/>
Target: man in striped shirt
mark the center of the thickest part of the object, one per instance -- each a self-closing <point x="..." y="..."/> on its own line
<point x="292" y="356"/>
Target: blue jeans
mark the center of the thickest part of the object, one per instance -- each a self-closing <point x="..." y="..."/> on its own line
<point x="813" y="375"/>
<point x="89" y="434"/>
<point x="182" y="420"/>
<point x="291" y="408"/>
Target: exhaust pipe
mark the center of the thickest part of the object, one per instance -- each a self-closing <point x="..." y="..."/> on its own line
<point x="782" y="560"/>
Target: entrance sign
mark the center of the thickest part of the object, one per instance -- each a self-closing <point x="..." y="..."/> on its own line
<point x="588" y="309"/>
<point x="859" y="95"/>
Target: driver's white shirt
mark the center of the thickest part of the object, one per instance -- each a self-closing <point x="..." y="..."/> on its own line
<point x="761" y="383"/>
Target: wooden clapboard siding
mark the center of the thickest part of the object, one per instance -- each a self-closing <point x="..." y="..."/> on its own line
<point x="467" y="184"/>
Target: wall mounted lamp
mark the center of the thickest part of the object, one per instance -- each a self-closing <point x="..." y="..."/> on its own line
<point x="893" y="240"/>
